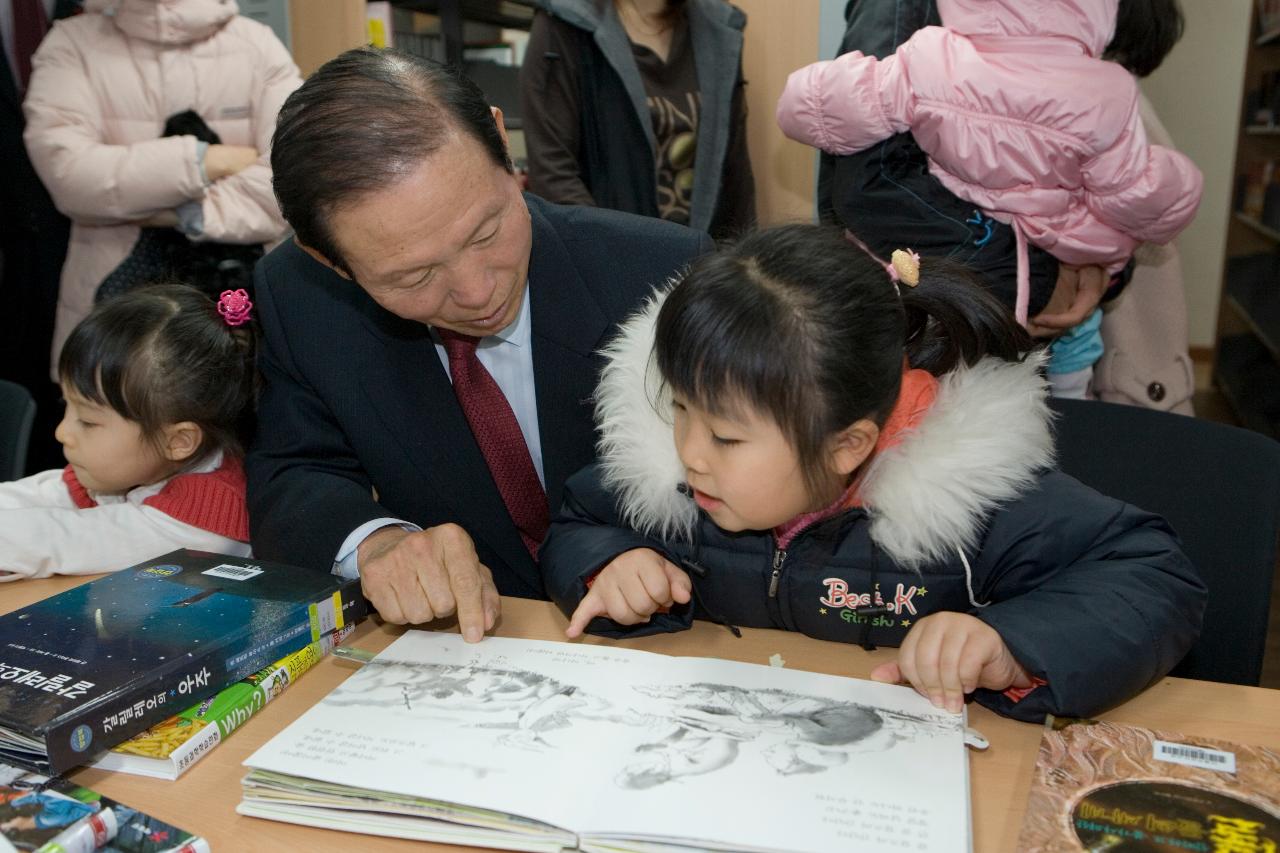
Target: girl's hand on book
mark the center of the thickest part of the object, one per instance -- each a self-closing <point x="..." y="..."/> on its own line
<point x="947" y="655"/>
<point x="637" y="584"/>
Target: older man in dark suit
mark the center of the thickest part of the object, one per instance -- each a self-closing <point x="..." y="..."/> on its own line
<point x="429" y="341"/>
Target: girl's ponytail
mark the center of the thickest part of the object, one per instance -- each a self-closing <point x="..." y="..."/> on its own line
<point x="236" y="310"/>
<point x="952" y="319"/>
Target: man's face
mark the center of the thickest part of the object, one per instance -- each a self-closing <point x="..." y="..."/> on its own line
<point x="448" y="245"/>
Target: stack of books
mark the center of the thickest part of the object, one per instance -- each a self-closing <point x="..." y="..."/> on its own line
<point x="170" y="748"/>
<point x="94" y="666"/>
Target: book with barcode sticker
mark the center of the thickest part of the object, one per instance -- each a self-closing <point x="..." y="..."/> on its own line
<point x="95" y="665"/>
<point x="1115" y="787"/>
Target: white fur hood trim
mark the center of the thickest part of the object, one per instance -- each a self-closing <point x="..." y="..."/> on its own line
<point x="983" y="442"/>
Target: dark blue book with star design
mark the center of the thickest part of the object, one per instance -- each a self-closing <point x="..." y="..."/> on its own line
<point x="93" y="666"/>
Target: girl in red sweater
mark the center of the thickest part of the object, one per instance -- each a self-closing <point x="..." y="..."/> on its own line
<point x="158" y="385"/>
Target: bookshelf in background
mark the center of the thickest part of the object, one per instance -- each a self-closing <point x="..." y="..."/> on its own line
<point x="1247" y="356"/>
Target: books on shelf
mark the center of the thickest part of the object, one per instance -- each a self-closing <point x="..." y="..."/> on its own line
<point x="169" y="748"/>
<point x="1110" y="786"/>
<point x="55" y="815"/>
<point x="529" y="745"/>
<point x="95" y="665"/>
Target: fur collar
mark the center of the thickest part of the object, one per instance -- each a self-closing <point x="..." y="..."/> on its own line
<point x="983" y="442"/>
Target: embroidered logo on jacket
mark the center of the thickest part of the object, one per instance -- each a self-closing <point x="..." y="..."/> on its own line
<point x="838" y="596"/>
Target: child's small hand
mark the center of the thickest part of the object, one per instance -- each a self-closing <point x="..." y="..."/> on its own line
<point x="630" y="589"/>
<point x="947" y="655"/>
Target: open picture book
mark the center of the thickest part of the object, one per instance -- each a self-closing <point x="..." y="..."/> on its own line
<point x="547" y="746"/>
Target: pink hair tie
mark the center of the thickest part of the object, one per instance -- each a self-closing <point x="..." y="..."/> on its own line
<point x="234" y="307"/>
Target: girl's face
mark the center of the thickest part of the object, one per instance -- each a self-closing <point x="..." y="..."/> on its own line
<point x="743" y="471"/>
<point x="107" y="452"/>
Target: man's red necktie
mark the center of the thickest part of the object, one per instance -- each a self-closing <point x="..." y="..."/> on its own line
<point x="29" y="26"/>
<point x="497" y="431"/>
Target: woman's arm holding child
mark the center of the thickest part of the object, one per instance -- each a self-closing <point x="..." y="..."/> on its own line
<point x="847" y="104"/>
<point x="1148" y="192"/>
<point x="42" y="541"/>
<point x="593" y="565"/>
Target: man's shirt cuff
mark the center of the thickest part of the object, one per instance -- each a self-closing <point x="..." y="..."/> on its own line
<point x="346" y="563"/>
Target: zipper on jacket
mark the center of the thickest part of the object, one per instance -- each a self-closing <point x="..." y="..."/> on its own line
<point x="779" y="555"/>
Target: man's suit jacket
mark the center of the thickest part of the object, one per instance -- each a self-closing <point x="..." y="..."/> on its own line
<point x="357" y="403"/>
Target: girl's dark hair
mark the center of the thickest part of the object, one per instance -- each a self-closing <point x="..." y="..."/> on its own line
<point x="160" y="355"/>
<point x="802" y="325"/>
<point x="1146" y="30"/>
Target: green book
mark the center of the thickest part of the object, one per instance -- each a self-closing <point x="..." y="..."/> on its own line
<point x="169" y="748"/>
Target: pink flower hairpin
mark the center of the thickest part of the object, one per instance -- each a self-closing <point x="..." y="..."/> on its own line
<point x="234" y="306"/>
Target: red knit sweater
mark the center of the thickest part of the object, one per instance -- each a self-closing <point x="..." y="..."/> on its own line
<point x="213" y="501"/>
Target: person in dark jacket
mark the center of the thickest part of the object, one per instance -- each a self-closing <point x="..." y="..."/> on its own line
<point x="637" y="105"/>
<point x="808" y="449"/>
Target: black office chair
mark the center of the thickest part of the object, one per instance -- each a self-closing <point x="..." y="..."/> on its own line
<point x="1218" y="487"/>
<point x="17" y="413"/>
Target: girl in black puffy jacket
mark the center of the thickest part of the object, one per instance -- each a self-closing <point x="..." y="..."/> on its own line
<point x="791" y="438"/>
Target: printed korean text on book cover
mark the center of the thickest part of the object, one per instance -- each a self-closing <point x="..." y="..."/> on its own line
<point x="533" y="745"/>
<point x="92" y="666"/>
<point x="1101" y="786"/>
<point x="170" y="748"/>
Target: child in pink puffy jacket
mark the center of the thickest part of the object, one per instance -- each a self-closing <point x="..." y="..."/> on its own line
<point x="1019" y="115"/>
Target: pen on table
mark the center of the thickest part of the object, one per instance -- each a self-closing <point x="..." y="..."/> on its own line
<point x="357" y="656"/>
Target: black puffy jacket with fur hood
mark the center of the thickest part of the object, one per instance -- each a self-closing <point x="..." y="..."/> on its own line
<point x="966" y="514"/>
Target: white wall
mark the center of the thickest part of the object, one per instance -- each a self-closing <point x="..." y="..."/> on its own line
<point x="830" y="27"/>
<point x="780" y="37"/>
<point x="1197" y="93"/>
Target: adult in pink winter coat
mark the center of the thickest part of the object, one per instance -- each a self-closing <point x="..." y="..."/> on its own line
<point x="1019" y="115"/>
<point x="103" y="84"/>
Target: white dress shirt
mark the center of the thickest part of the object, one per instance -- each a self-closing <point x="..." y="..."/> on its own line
<point x="508" y="356"/>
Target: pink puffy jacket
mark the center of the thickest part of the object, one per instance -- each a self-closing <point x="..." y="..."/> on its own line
<point x="1019" y="116"/>
<point x="103" y="84"/>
